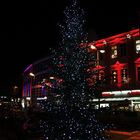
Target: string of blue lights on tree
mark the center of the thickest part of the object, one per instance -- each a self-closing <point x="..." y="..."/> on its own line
<point x="73" y="118"/>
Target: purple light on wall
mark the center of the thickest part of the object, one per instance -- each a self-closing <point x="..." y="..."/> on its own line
<point x="24" y="91"/>
<point x="28" y="68"/>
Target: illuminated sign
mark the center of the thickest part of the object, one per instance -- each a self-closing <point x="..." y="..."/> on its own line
<point x="121" y="93"/>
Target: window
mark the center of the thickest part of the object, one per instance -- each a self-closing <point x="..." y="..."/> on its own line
<point x="138" y="72"/>
<point x="137" y="46"/>
<point x="124" y="75"/>
<point x="98" y="77"/>
<point x="114" y="52"/>
<point x="114" y="76"/>
<point x="122" y="49"/>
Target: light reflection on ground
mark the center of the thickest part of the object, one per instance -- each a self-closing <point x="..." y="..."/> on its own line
<point x="121" y="135"/>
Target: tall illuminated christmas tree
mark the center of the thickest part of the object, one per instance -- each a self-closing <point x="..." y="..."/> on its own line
<point x="72" y="59"/>
<point x="73" y="118"/>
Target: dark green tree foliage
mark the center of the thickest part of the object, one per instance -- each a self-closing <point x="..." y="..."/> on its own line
<point x="73" y="118"/>
<point x="72" y="60"/>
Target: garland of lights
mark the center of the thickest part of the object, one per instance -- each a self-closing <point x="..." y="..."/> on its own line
<point x="71" y="116"/>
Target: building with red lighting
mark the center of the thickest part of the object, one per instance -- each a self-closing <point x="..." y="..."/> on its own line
<point x="118" y="68"/>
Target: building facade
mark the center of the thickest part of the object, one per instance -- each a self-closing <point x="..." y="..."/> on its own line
<point x="118" y="69"/>
<point x="38" y="81"/>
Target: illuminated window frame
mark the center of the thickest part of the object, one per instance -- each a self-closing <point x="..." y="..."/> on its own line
<point x="137" y="46"/>
<point x="114" y="76"/>
<point x="124" y="75"/>
<point x="98" y="76"/>
<point x="114" y="52"/>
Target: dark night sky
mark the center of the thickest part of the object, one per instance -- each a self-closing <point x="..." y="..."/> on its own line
<point x="29" y="29"/>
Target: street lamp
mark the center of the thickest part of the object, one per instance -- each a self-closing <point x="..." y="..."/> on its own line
<point x="15" y="88"/>
<point x="51" y="77"/>
<point x="98" y="51"/>
<point x="32" y="75"/>
<point x="15" y="91"/>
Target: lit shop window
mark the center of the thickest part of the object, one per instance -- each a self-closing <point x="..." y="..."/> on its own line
<point x="114" y="76"/>
<point x="138" y="73"/>
<point x="114" y="52"/>
<point x="124" y="75"/>
<point x="137" y="46"/>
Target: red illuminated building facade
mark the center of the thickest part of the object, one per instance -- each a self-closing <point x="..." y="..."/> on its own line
<point x="118" y="67"/>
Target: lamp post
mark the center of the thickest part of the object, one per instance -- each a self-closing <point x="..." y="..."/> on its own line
<point x="15" y="93"/>
<point x="32" y="75"/>
<point x="51" y="92"/>
<point x="15" y="89"/>
<point x="98" y="51"/>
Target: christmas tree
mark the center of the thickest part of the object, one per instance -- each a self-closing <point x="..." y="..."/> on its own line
<point x="72" y="59"/>
<point x="73" y="118"/>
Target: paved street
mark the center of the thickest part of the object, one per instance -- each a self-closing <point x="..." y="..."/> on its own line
<point x="122" y="135"/>
<point x="12" y="126"/>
